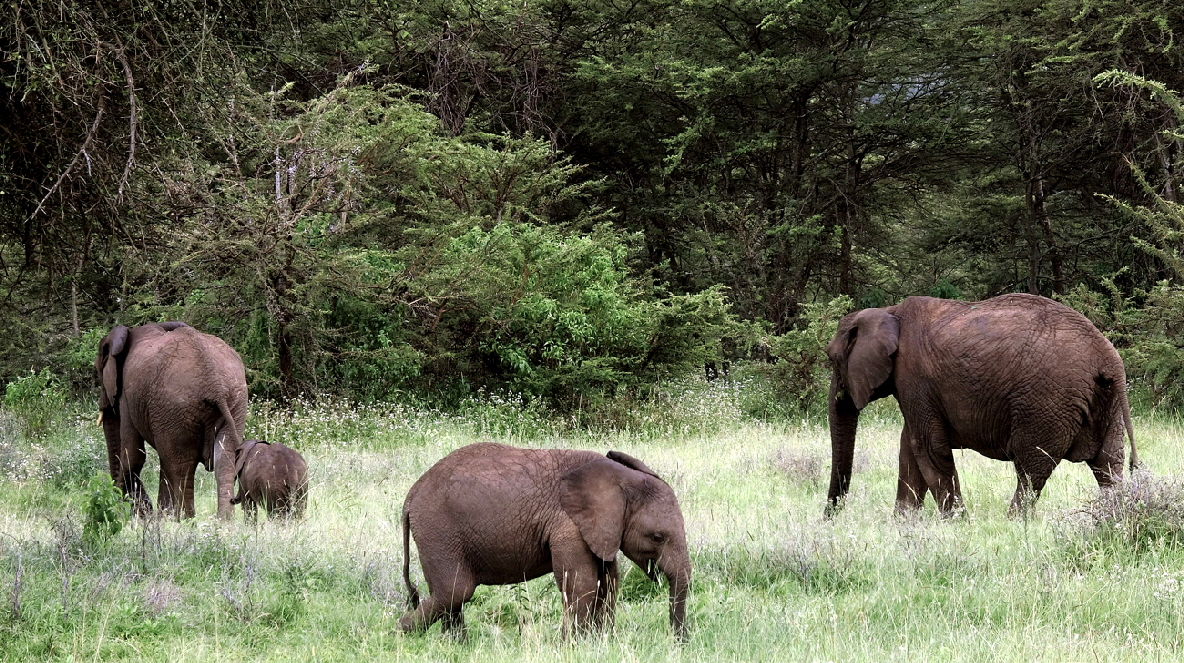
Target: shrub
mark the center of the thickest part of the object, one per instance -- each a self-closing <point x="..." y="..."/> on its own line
<point x="802" y="371"/>
<point x="1141" y="515"/>
<point x="106" y="511"/>
<point x="1145" y="328"/>
<point x="36" y="400"/>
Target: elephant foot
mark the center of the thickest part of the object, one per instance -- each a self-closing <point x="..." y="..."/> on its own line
<point x="142" y="507"/>
<point x="833" y="507"/>
<point x="955" y="513"/>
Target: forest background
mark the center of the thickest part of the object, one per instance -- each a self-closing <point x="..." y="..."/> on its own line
<point x="572" y="200"/>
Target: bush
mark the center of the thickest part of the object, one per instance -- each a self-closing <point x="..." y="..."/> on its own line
<point x="802" y="371"/>
<point x="1146" y="329"/>
<point x="1141" y="515"/>
<point x="36" y="401"/>
<point x="545" y="313"/>
<point x="106" y="511"/>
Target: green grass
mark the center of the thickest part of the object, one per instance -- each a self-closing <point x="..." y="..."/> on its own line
<point x="773" y="580"/>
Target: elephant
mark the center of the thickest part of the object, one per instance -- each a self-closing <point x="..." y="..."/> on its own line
<point x="491" y="514"/>
<point x="1016" y="377"/>
<point x="182" y="391"/>
<point x="273" y="475"/>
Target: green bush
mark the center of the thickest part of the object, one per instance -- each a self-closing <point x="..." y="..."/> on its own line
<point x="106" y="511"/>
<point x="1146" y="328"/>
<point x="802" y="371"/>
<point x="36" y="400"/>
<point x="546" y="313"/>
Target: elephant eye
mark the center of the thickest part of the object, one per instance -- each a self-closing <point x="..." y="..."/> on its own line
<point x="658" y="537"/>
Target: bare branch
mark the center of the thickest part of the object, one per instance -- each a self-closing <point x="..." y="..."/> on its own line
<point x="131" y="98"/>
<point x="90" y="137"/>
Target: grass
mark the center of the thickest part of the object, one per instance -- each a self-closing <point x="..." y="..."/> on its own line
<point x="1083" y="579"/>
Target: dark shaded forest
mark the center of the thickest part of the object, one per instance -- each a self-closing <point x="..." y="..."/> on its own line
<point x="567" y="198"/>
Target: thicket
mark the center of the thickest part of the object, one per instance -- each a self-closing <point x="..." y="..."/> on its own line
<point x="575" y="200"/>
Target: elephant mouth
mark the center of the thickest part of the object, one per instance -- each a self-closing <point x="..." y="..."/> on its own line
<point x="650" y="568"/>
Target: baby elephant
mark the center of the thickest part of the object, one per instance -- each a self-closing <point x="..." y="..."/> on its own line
<point x="489" y="514"/>
<point x="273" y="475"/>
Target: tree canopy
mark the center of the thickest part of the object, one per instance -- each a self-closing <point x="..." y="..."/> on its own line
<point x="569" y="197"/>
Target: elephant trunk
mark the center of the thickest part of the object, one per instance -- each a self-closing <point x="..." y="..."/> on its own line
<point x="677" y="569"/>
<point x="843" y="418"/>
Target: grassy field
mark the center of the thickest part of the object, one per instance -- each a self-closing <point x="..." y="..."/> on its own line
<point x="1081" y="580"/>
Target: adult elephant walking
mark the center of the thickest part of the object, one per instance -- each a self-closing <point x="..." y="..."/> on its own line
<point x="182" y="391"/>
<point x="1017" y="377"/>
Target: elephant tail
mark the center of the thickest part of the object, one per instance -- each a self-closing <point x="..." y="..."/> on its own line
<point x="1130" y="433"/>
<point x="412" y="592"/>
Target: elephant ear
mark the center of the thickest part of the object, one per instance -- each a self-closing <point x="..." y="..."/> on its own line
<point x="632" y="463"/>
<point x="112" y="350"/>
<point x="240" y="455"/>
<point x="871" y="343"/>
<point x="592" y="496"/>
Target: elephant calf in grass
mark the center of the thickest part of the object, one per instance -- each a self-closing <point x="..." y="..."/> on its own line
<point x="490" y="514"/>
<point x="273" y="475"/>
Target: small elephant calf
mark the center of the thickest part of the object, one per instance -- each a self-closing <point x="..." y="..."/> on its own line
<point x="273" y="475"/>
<point x="490" y="514"/>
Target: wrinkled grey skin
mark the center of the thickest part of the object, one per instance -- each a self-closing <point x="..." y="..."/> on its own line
<point x="490" y="514"/>
<point x="1018" y="377"/>
<point x="271" y="475"/>
<point x="183" y="392"/>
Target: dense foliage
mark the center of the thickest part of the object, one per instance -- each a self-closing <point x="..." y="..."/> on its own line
<point x="569" y="198"/>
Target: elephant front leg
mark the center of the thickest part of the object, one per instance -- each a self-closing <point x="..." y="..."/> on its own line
<point x="588" y="586"/>
<point x="910" y="483"/>
<point x="606" y="596"/>
<point x="126" y="457"/>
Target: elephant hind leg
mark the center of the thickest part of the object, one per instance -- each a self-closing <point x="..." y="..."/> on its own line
<point x="176" y="488"/>
<point x="445" y="601"/>
<point x="453" y="623"/>
<point x="1107" y="463"/>
<point x="127" y="466"/>
<point x="1032" y="472"/>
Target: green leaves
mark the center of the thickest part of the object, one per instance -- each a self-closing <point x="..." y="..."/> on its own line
<point x="552" y="314"/>
<point x="106" y="511"/>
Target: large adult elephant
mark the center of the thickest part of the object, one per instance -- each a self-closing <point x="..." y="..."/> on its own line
<point x="1018" y="377"/>
<point x="182" y="391"/>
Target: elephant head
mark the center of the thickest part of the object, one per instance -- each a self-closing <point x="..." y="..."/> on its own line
<point x="620" y="504"/>
<point x="109" y="362"/>
<point x="862" y="355"/>
<point x="112" y="350"/>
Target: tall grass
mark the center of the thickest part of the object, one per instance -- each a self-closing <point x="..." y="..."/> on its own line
<point x="773" y="579"/>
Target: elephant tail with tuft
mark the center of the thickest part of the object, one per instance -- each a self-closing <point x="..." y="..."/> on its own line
<point x="412" y="592"/>
<point x="1130" y="432"/>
